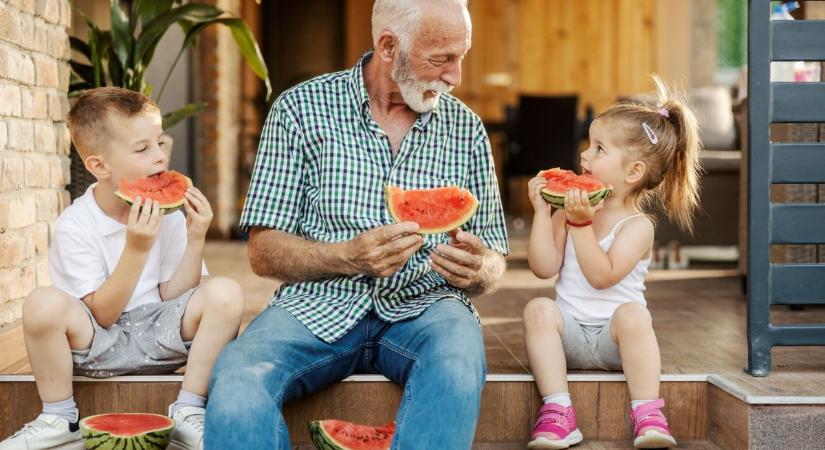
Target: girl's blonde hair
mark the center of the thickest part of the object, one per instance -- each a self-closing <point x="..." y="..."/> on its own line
<point x="665" y="136"/>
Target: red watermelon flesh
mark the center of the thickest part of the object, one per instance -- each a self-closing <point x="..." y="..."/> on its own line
<point x="560" y="181"/>
<point x="128" y="424"/>
<point x="341" y="435"/>
<point x="166" y="187"/>
<point x="437" y="210"/>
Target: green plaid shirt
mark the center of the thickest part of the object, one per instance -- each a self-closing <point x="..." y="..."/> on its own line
<point x="320" y="173"/>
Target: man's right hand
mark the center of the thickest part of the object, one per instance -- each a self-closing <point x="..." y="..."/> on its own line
<point x="382" y="251"/>
<point x="143" y="225"/>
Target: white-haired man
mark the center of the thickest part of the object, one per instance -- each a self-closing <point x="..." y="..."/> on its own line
<point x="361" y="293"/>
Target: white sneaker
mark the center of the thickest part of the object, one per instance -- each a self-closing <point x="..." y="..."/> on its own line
<point x="47" y="432"/>
<point x="188" y="434"/>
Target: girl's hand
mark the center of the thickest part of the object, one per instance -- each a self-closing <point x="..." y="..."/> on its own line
<point x="534" y="190"/>
<point x="198" y="214"/>
<point x="577" y="206"/>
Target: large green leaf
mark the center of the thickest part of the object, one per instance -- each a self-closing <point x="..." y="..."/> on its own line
<point x="122" y="40"/>
<point x="81" y="47"/>
<point x="172" y="118"/>
<point x="154" y="30"/>
<point x="147" y="10"/>
<point x="85" y="72"/>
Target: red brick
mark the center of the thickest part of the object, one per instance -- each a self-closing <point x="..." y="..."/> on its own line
<point x="37" y="172"/>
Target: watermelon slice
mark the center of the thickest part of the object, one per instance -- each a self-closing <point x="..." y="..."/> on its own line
<point x="126" y="431"/>
<point x="435" y="210"/>
<point x="559" y="181"/>
<point x="166" y="187"/>
<point x="340" y="435"/>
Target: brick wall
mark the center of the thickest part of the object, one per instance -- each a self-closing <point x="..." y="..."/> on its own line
<point x="34" y="142"/>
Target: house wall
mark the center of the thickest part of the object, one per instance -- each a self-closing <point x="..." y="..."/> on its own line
<point x="34" y="142"/>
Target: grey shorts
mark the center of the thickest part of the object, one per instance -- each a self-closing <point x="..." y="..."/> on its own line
<point x="589" y="346"/>
<point x="145" y="340"/>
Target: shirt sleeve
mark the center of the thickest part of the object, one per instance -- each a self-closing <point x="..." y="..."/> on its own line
<point x="276" y="198"/>
<point x="174" y="245"/>
<point x="76" y="267"/>
<point x="488" y="221"/>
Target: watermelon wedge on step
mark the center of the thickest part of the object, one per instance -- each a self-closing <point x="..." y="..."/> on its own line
<point x="126" y="431"/>
<point x="559" y="181"/>
<point x="437" y="210"/>
<point x="166" y="187"/>
<point x="340" y="435"/>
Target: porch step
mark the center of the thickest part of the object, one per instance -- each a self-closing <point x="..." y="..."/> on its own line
<point x="586" y="445"/>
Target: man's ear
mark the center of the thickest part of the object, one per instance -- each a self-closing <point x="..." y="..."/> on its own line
<point x="97" y="167"/>
<point x="387" y="46"/>
<point x="635" y="172"/>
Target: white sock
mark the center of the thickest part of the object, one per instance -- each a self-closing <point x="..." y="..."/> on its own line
<point x="66" y="409"/>
<point x="186" y="398"/>
<point x="562" y="399"/>
<point x="637" y="403"/>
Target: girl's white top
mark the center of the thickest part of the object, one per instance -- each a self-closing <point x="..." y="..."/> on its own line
<point x="591" y="306"/>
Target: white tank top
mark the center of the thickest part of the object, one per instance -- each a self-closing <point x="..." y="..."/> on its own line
<point x="591" y="306"/>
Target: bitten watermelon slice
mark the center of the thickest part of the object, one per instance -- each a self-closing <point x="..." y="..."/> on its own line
<point x="559" y="181"/>
<point x="435" y="210"/>
<point x="340" y="435"/>
<point x="166" y="187"/>
<point x="126" y="431"/>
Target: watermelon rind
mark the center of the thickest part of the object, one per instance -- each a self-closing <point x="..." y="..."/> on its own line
<point x="324" y="441"/>
<point x="461" y="220"/>
<point x="556" y="199"/>
<point x="166" y="207"/>
<point x="150" y="439"/>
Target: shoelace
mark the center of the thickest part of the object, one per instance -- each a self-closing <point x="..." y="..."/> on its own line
<point x="32" y="427"/>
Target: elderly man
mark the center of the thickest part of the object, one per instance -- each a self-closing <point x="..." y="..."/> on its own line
<point x="360" y="293"/>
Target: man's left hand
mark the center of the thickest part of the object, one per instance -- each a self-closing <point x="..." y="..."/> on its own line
<point x="460" y="262"/>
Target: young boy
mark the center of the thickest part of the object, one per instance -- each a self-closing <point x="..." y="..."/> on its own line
<point x="127" y="295"/>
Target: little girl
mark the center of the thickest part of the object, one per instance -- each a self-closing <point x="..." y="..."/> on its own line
<point x="599" y="319"/>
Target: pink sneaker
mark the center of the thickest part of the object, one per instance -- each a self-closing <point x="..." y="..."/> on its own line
<point x="555" y="428"/>
<point x="650" y="426"/>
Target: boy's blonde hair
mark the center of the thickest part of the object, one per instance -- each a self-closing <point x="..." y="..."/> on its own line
<point x="88" y="119"/>
<point x="665" y="136"/>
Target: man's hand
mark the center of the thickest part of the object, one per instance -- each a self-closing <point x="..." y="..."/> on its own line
<point x="143" y="224"/>
<point x="198" y="214"/>
<point x="382" y="251"/>
<point x="460" y="263"/>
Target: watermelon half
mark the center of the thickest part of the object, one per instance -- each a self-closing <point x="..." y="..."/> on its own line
<point x="166" y="187"/>
<point x="340" y="435"/>
<point x="126" y="431"/>
<point x="559" y="181"/>
<point x="437" y="210"/>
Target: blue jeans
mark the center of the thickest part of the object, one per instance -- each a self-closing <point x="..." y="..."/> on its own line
<point x="437" y="357"/>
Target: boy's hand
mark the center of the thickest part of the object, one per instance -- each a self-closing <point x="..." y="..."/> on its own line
<point x="143" y="224"/>
<point x="198" y="214"/>
<point x="577" y="206"/>
<point x="534" y="187"/>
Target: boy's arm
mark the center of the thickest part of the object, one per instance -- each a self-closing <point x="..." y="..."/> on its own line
<point x="108" y="301"/>
<point x="188" y="273"/>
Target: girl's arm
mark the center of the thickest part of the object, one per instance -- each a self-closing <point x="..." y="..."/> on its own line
<point x="603" y="270"/>
<point x="545" y="251"/>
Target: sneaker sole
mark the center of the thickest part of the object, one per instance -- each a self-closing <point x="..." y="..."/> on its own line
<point x="654" y="439"/>
<point x="76" y="445"/>
<point x="542" y="443"/>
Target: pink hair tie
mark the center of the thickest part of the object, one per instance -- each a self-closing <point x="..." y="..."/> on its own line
<point x="664" y="112"/>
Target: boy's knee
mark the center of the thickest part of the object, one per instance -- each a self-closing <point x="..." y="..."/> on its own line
<point x="631" y="317"/>
<point x="44" y="308"/>
<point x="225" y="296"/>
<point x="541" y="312"/>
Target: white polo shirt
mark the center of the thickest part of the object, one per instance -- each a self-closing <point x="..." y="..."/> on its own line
<point x="87" y="244"/>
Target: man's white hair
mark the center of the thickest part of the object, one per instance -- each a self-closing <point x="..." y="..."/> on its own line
<point x="401" y="17"/>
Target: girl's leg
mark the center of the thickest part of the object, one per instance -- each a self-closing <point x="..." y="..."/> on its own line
<point x="543" y="328"/>
<point x="632" y="329"/>
<point x="54" y="323"/>
<point x="212" y="318"/>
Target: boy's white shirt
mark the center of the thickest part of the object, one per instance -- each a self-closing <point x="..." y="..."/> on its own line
<point x="87" y="244"/>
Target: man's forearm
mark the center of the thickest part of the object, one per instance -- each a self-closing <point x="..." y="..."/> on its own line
<point x="492" y="268"/>
<point x="289" y="258"/>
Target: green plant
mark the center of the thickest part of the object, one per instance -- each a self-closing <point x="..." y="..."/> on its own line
<point x="121" y="55"/>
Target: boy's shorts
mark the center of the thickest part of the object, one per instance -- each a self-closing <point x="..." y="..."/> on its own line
<point x="145" y="340"/>
<point x="589" y="346"/>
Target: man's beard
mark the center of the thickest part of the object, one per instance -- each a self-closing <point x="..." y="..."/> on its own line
<point x="412" y="88"/>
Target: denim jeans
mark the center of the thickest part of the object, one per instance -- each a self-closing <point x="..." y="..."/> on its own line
<point x="437" y="357"/>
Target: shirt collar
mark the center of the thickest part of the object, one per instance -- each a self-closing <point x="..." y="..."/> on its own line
<point x="105" y="224"/>
<point x="363" y="98"/>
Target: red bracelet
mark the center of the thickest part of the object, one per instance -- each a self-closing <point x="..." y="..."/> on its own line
<point x="579" y="225"/>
